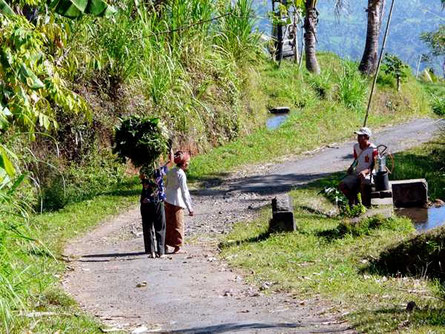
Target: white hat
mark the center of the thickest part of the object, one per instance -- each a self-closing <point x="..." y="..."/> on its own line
<point x="364" y="131"/>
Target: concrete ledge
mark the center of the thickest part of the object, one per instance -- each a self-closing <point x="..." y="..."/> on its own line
<point x="279" y="110"/>
<point x="381" y="194"/>
<point x="409" y="193"/>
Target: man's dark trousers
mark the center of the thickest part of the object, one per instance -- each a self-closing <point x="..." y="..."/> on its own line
<point x="153" y="223"/>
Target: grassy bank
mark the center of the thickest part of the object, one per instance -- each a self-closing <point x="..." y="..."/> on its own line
<point x="337" y="260"/>
<point x="32" y="265"/>
<point x="324" y="109"/>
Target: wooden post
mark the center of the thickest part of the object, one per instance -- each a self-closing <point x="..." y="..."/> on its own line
<point x="296" y="54"/>
<point x="418" y="66"/>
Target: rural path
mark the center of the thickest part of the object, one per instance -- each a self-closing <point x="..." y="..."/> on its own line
<point x="195" y="292"/>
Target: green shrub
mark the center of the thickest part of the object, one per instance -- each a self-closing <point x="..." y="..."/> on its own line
<point x="352" y="86"/>
<point x="438" y="105"/>
<point x="98" y="173"/>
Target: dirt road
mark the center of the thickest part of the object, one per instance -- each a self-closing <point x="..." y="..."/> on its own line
<point x="195" y="292"/>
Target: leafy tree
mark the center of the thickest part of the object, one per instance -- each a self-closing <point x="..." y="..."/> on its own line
<point x="32" y="90"/>
<point x="436" y="42"/>
<point x="368" y="64"/>
<point x="395" y="67"/>
<point x="31" y="87"/>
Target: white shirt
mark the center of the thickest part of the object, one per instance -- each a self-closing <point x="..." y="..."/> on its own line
<point x="177" y="192"/>
<point x="364" y="157"/>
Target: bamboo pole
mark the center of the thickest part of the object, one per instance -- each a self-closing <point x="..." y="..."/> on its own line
<point x="379" y="62"/>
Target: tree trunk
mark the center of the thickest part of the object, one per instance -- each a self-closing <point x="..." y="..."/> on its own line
<point x="368" y="64"/>
<point x="310" y="37"/>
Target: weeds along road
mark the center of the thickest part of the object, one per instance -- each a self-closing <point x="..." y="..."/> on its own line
<point x="112" y="279"/>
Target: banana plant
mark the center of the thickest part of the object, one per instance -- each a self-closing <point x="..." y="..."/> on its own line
<point x="71" y="8"/>
<point x="77" y="8"/>
<point x="5" y="9"/>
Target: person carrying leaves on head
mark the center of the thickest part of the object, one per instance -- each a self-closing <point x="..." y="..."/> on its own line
<point x="360" y="172"/>
<point x="178" y="199"/>
<point x="152" y="210"/>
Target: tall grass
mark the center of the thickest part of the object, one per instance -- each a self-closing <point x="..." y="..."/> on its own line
<point x="13" y="216"/>
<point x="182" y="62"/>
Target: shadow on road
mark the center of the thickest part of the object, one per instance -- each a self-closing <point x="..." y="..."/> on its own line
<point x="271" y="184"/>
<point x="109" y="257"/>
<point x="230" y="328"/>
<point x="233" y="327"/>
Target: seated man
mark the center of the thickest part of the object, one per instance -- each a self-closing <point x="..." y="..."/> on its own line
<point x="359" y="173"/>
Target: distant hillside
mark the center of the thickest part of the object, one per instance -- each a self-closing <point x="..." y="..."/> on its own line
<point x="345" y="34"/>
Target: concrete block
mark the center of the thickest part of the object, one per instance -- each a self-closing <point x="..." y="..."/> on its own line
<point x="282" y="221"/>
<point x="282" y="215"/>
<point x="382" y="201"/>
<point x="409" y="193"/>
<point x="279" y="110"/>
<point x="281" y="203"/>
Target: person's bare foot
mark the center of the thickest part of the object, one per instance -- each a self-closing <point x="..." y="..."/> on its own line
<point x="178" y="250"/>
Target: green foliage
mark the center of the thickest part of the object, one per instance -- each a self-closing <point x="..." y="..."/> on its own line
<point x="140" y="139"/>
<point x="60" y="185"/>
<point x="336" y="197"/>
<point x="364" y="226"/>
<point x="394" y="67"/>
<point x="31" y="88"/>
<point x="14" y="213"/>
<point x="236" y="31"/>
<point x="438" y="105"/>
<point x="30" y="83"/>
<point x="352" y="86"/>
<point x="437" y="96"/>
<point x="435" y="41"/>
<point x="5" y="9"/>
<point x="76" y="8"/>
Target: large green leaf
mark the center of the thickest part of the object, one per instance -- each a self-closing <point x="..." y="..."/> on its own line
<point x="5" y="163"/>
<point x="5" y="9"/>
<point x="76" y="8"/>
<point x="30" y="78"/>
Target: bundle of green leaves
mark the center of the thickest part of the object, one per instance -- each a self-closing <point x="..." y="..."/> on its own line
<point x="141" y="139"/>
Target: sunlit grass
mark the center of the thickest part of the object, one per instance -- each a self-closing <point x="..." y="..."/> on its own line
<point x="34" y="268"/>
<point x="332" y="258"/>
